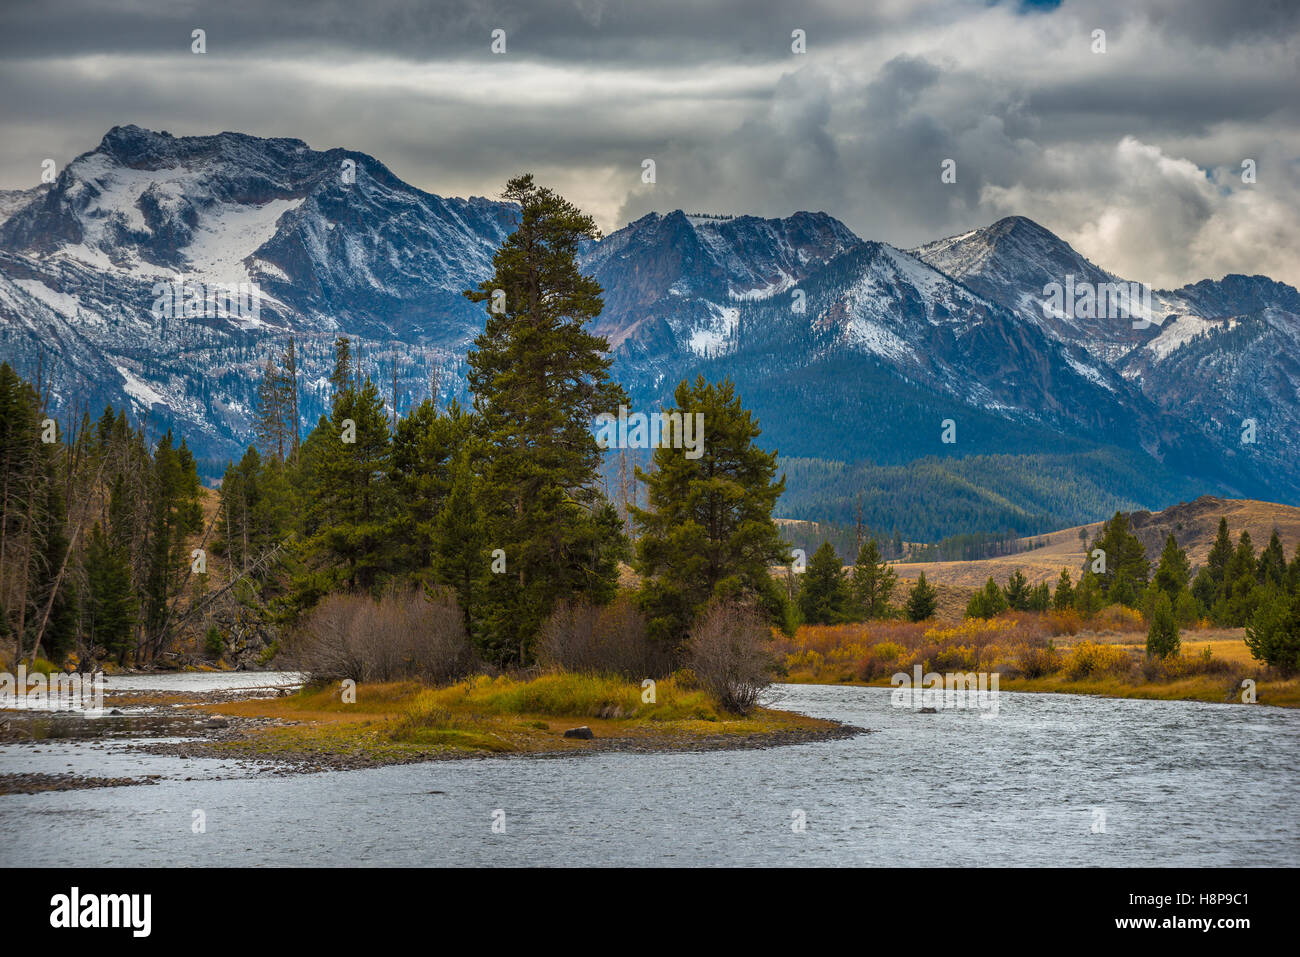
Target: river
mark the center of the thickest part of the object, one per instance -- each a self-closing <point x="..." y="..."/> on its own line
<point x="1050" y="780"/>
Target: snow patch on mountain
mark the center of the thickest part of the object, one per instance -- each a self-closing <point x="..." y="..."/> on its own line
<point x="1179" y="332"/>
<point x="227" y="235"/>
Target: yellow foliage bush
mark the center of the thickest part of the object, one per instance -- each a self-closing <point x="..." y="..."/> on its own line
<point x="1091" y="660"/>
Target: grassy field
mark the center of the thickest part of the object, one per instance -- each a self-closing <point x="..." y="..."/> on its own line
<point x="1032" y="652"/>
<point x="406" y="721"/>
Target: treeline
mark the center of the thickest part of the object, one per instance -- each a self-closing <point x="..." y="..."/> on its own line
<point x="93" y="530"/>
<point x="497" y="507"/>
<point x="828" y="595"/>
<point x="486" y="520"/>
<point x="1234" y="588"/>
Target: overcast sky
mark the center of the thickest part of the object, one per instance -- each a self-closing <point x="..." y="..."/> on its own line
<point x="1133" y="155"/>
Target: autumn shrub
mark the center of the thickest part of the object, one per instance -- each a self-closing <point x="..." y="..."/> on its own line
<point x="1038" y="660"/>
<point x="1185" y="666"/>
<point x="601" y="639"/>
<point x="1065" y="621"/>
<point x="1118" y="618"/>
<point x="1091" y="660"/>
<point x="406" y="634"/>
<point x="729" y="652"/>
<point x="879" y="661"/>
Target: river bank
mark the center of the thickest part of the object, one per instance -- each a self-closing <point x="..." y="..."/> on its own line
<point x="278" y="728"/>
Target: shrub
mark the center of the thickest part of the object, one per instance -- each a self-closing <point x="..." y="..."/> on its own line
<point x="402" y="635"/>
<point x="1203" y="664"/>
<point x="1063" y="621"/>
<point x="1091" y="660"/>
<point x="728" y="652"/>
<point x="610" y="639"/>
<point x="1038" y="660"/>
<point x="879" y="660"/>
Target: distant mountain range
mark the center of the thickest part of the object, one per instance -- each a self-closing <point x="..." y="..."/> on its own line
<point x="849" y="351"/>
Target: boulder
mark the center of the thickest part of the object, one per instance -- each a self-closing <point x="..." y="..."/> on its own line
<point x="584" y="732"/>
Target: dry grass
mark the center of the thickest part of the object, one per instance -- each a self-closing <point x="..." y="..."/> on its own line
<point x="402" y="721"/>
<point x="1194" y="524"/>
<point x="1038" y="652"/>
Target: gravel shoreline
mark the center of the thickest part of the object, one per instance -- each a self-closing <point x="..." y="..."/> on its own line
<point x="143" y="715"/>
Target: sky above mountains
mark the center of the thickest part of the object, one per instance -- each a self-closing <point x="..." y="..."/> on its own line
<point x="1134" y="155"/>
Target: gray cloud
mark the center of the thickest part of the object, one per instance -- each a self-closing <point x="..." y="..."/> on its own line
<point x="1133" y="155"/>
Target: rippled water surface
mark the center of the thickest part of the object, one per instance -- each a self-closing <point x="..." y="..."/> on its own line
<point x="1175" y="783"/>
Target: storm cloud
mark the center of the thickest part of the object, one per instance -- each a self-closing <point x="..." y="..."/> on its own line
<point x="1134" y="155"/>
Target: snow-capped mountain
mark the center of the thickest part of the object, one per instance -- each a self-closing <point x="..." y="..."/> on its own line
<point x="315" y="243"/>
<point x="1218" y="355"/>
<point x="846" y="349"/>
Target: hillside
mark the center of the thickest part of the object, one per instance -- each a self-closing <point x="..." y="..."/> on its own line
<point x="1193" y="524"/>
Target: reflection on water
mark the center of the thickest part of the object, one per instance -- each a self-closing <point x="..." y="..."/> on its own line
<point x="1053" y="779"/>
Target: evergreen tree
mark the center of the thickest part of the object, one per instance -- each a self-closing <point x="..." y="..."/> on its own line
<point x="349" y="500"/>
<point x="823" y="593"/>
<point x="707" y="531"/>
<point x="539" y="379"/>
<point x="290" y="384"/>
<point x="1040" y="597"/>
<point x="341" y="377"/>
<point x="1123" y="590"/>
<point x="272" y="425"/>
<point x="988" y="602"/>
<point x="1273" y="633"/>
<point x="1087" y="596"/>
<point x="1174" y="571"/>
<point x="1241" y="593"/>
<point x="1162" y="638"/>
<point x="424" y="448"/>
<point x="1126" y="560"/>
<point x="1220" y="554"/>
<point x="1017" y="591"/>
<point x="458" y="549"/>
<point x="1271" y="569"/>
<point x="1064" y="596"/>
<point x="873" y="584"/>
<point x="112" y="604"/>
<point x="922" y="600"/>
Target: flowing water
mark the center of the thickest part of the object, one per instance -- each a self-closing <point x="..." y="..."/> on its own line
<point x="1050" y="780"/>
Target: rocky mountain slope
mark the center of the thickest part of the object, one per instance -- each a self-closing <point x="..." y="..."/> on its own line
<point x="847" y="349"/>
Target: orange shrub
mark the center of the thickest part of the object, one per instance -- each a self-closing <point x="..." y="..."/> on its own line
<point x="1091" y="660"/>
